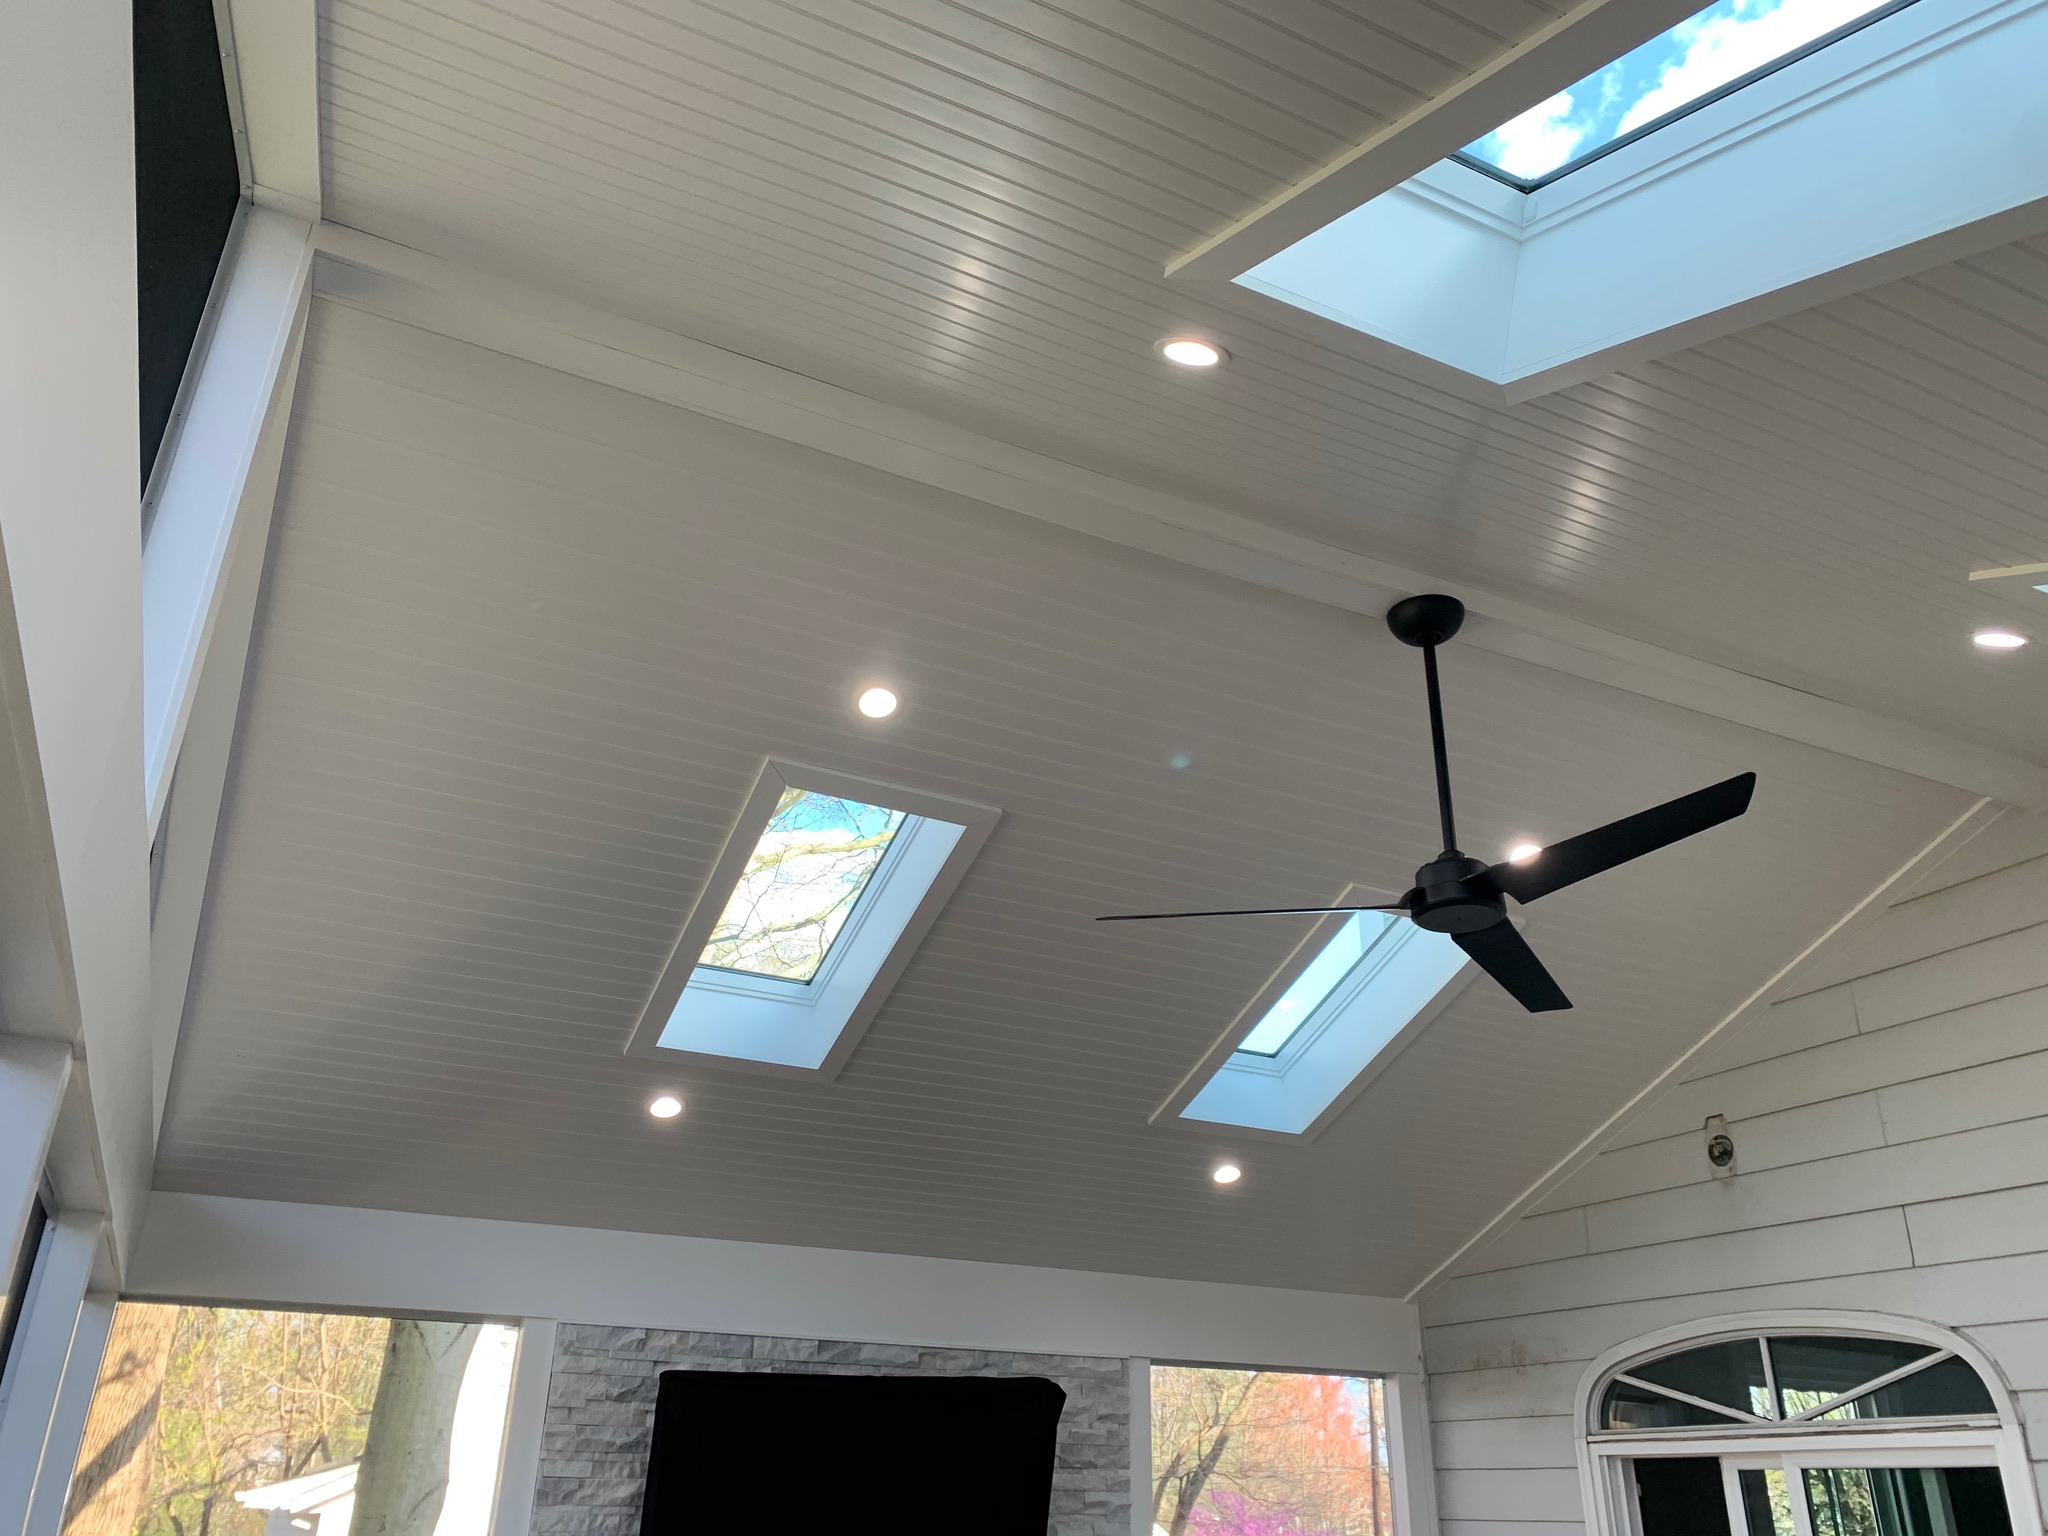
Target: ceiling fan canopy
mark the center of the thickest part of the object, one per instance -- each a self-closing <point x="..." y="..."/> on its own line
<point x="1466" y="898"/>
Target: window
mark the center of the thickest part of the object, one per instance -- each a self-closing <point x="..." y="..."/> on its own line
<point x="1356" y="991"/>
<point x="822" y="893"/>
<point x="223" y="1421"/>
<point x="1705" y="57"/>
<point x="809" y="867"/>
<point x="1806" y="1430"/>
<point x="1269" y="1453"/>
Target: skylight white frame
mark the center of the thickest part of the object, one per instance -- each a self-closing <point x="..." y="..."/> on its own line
<point x="772" y="1024"/>
<point x="1749" y="207"/>
<point x="1222" y="1056"/>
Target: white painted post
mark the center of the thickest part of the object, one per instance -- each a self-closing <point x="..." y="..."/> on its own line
<point x="43" y="1346"/>
<point x="525" y="1415"/>
<point x="33" y="1074"/>
<point x="67" y="1422"/>
<point x="1410" y="1452"/>
<point x="1141" y="1447"/>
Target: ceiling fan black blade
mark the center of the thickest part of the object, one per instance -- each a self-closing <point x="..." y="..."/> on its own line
<point x="1506" y="956"/>
<point x="1576" y="858"/>
<point x="1151" y="917"/>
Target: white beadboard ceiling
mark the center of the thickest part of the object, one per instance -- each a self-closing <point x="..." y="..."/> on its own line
<point x="965" y="206"/>
<point x="524" y="643"/>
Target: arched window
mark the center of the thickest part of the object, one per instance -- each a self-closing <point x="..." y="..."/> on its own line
<point x="1803" y="1425"/>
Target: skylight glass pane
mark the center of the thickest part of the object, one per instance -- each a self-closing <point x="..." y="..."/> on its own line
<point x="1727" y="42"/>
<point x="1346" y="948"/>
<point x="815" y="857"/>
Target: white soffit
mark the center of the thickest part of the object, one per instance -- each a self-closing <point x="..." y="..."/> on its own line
<point x="525" y="645"/>
<point x="1906" y="144"/>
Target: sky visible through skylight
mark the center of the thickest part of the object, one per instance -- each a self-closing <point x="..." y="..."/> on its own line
<point x="815" y="857"/>
<point x="1720" y="44"/>
<point x="1331" y="965"/>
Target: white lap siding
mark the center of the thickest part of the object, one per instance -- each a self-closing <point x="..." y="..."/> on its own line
<point x="1891" y="1128"/>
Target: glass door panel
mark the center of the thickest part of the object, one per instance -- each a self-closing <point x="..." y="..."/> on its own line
<point x="1906" y="1501"/>
<point x="1766" y="1501"/>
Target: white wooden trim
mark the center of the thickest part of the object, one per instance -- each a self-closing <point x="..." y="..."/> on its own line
<point x="33" y="1077"/>
<point x="1140" y="1388"/>
<point x="525" y="1417"/>
<point x="67" y="1421"/>
<point x="215" y="489"/>
<point x="49" y="1333"/>
<point x="1569" y="48"/>
<point x="1864" y="912"/>
<point x="275" y="57"/>
<point x="457" y="301"/>
<point x="2002" y="1444"/>
<point x="1411" y="1453"/>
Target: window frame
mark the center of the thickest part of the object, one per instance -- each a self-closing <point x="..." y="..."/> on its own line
<point x="776" y="1025"/>
<point x="1606" y="1457"/>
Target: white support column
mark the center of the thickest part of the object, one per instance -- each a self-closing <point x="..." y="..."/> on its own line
<point x="1410" y="1452"/>
<point x="48" y="1335"/>
<point x="67" y="1422"/>
<point x="32" y="1078"/>
<point x="525" y="1414"/>
<point x="1141" y="1447"/>
<point x="220" y="478"/>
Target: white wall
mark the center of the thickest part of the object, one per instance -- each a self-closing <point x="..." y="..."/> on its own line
<point x="211" y="1248"/>
<point x="1891" y="1127"/>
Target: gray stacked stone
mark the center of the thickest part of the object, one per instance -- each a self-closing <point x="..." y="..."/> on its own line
<point x="600" y="1418"/>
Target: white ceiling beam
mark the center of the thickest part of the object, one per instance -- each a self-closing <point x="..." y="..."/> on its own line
<point x="1571" y="47"/>
<point x="472" y="306"/>
<point x="270" y="48"/>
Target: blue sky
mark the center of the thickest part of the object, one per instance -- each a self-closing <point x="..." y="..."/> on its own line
<point x="1702" y="53"/>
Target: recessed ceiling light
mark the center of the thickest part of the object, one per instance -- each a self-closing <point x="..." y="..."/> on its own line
<point x="1191" y="353"/>
<point x="876" y="703"/>
<point x="1998" y="640"/>
<point x="1227" y="1173"/>
<point x="665" y="1106"/>
<point x="1522" y="853"/>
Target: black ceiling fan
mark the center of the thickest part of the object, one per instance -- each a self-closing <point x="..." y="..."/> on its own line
<point x="1466" y="898"/>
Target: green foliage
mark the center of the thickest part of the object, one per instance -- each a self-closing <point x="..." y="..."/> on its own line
<point x="250" y="1399"/>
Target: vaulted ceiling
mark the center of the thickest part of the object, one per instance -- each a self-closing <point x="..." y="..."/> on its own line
<point x="525" y="640"/>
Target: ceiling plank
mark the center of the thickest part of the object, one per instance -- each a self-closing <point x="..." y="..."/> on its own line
<point x="456" y="300"/>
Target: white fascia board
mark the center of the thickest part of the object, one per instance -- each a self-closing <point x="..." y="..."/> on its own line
<point x="215" y="484"/>
<point x="456" y="300"/>
<point x="272" y="47"/>
<point x="766" y="1024"/>
<point x="216" y="1249"/>
<point x="1568" y="49"/>
<point x="1855" y="165"/>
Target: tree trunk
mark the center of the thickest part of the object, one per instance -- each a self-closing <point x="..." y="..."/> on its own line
<point x="404" y="1474"/>
<point x="118" y="1452"/>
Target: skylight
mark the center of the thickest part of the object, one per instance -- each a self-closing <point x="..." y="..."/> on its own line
<point x="1327" y="1024"/>
<point x="1721" y="49"/>
<point x="1717" y="177"/>
<point x="820" y="897"/>
<point x="815" y="857"/>
<point x="1333" y="962"/>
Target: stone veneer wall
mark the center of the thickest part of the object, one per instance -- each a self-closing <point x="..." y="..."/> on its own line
<point x="600" y="1417"/>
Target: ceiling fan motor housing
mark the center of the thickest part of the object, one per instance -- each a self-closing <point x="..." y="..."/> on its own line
<point x="1452" y="896"/>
